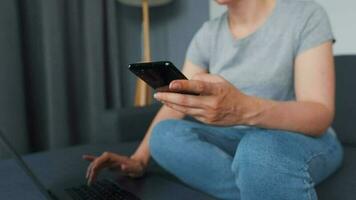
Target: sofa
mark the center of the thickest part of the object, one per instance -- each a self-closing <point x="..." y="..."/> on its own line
<point x="133" y="123"/>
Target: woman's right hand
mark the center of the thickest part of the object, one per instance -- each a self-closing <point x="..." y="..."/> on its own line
<point x="128" y="165"/>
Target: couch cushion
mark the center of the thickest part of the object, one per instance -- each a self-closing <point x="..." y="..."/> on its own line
<point x="345" y="99"/>
<point x="342" y="184"/>
<point x="133" y="122"/>
<point x="339" y="186"/>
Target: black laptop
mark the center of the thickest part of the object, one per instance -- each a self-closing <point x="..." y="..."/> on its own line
<point x="123" y="188"/>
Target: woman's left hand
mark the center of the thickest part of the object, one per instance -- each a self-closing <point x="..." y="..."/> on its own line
<point x="219" y="102"/>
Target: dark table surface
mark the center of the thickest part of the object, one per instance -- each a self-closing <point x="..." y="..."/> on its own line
<point x="53" y="168"/>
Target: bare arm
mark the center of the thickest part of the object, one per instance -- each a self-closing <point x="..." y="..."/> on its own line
<point x="143" y="153"/>
<point x="313" y="111"/>
<point x="223" y="104"/>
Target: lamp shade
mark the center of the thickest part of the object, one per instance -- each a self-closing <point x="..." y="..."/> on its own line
<point x="138" y="3"/>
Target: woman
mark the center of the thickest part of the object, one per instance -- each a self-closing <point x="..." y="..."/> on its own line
<point x="265" y="73"/>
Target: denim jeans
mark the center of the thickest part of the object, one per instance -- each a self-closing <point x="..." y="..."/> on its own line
<point x="245" y="163"/>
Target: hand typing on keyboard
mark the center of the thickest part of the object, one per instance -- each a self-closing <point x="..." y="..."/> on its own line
<point x="130" y="166"/>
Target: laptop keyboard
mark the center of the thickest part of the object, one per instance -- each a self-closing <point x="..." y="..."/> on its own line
<point x="101" y="190"/>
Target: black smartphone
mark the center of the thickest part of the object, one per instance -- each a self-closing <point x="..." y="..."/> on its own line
<point x="158" y="75"/>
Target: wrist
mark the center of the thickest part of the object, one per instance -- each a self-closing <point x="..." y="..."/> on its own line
<point x="141" y="157"/>
<point x="252" y="111"/>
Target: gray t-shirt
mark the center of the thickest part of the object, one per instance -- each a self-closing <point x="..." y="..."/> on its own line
<point x="262" y="63"/>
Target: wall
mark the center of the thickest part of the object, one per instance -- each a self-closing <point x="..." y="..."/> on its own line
<point x="342" y="17"/>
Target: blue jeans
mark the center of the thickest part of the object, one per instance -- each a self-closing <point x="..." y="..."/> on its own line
<point x="247" y="163"/>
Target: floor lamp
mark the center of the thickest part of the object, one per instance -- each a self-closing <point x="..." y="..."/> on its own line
<point x="143" y="95"/>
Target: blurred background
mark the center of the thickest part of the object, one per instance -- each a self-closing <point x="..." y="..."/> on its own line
<point x="63" y="63"/>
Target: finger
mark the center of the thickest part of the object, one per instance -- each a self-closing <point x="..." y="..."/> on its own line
<point x="115" y="158"/>
<point x="96" y="166"/>
<point x="88" y="171"/>
<point x="118" y="161"/>
<point x="132" y="171"/>
<point x="89" y="157"/>
<point x="95" y="169"/>
<point x="129" y="169"/>
<point x="193" y="86"/>
<point x="180" y="99"/>
<point x="125" y="170"/>
<point x="185" y="110"/>
<point x="214" y="82"/>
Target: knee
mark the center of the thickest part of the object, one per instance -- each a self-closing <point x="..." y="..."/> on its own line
<point x="161" y="133"/>
<point x="263" y="152"/>
<point x="164" y="136"/>
<point x="255" y="163"/>
<point x="266" y="162"/>
<point x="268" y="149"/>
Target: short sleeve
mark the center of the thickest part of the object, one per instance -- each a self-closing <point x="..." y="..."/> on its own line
<point x="316" y="29"/>
<point x="199" y="49"/>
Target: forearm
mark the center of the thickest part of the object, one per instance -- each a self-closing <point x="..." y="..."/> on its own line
<point x="309" y="118"/>
<point x="143" y="153"/>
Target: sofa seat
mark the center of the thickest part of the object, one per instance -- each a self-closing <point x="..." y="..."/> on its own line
<point x="339" y="186"/>
<point x="342" y="184"/>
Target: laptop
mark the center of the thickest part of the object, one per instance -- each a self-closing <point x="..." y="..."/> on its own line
<point x="123" y="188"/>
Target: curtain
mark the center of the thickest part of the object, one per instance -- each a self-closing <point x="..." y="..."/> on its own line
<point x="12" y="108"/>
<point x="70" y="57"/>
<point x="63" y="66"/>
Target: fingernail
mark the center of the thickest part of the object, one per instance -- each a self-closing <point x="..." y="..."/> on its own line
<point x="175" y="85"/>
<point x="156" y="95"/>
